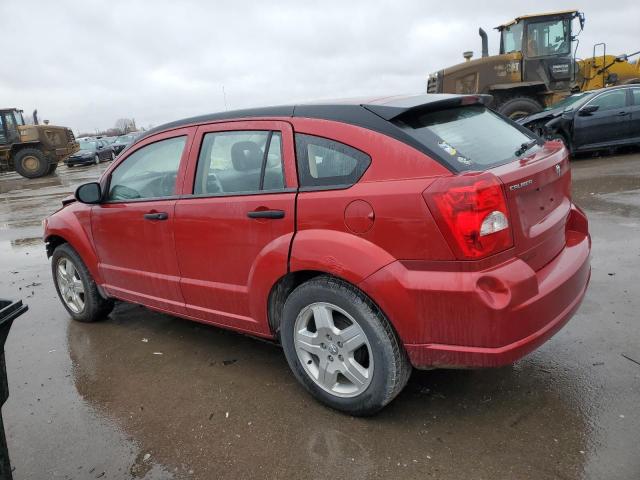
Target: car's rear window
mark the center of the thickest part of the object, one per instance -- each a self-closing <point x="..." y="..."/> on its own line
<point x="466" y="138"/>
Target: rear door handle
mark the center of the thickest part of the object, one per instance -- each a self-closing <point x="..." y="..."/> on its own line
<point x="156" y="216"/>
<point x="622" y="114"/>
<point x="273" y="214"/>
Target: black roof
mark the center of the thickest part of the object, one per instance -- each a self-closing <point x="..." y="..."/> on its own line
<point x="372" y="113"/>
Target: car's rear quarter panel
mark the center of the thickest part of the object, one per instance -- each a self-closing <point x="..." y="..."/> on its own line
<point x="392" y="186"/>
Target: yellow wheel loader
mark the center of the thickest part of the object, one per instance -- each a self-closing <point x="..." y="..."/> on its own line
<point x="536" y="66"/>
<point x="32" y="150"/>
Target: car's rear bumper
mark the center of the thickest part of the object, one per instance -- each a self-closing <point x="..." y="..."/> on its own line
<point x="484" y="318"/>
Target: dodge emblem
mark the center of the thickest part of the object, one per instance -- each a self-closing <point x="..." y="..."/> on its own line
<point x="558" y="169"/>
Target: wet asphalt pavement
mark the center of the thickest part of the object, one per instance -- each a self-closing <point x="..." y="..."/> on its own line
<point x="146" y="395"/>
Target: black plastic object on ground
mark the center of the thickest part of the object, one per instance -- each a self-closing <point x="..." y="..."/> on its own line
<point x="9" y="311"/>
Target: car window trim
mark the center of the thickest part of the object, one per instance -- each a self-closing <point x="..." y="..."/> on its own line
<point x="249" y="193"/>
<point x="139" y="200"/>
<point x="189" y="196"/>
<point x="265" y="155"/>
<point x="323" y="188"/>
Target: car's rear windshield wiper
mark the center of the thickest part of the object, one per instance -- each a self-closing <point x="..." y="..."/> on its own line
<point x="525" y="146"/>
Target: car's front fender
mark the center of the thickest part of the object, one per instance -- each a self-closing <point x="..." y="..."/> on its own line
<point x="73" y="225"/>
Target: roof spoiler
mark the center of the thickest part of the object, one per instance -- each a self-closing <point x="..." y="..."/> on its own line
<point x="393" y="110"/>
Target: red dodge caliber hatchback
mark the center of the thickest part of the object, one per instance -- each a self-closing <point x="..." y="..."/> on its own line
<point x="366" y="236"/>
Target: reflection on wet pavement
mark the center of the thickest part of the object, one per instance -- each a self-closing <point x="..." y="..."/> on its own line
<point x="147" y="395"/>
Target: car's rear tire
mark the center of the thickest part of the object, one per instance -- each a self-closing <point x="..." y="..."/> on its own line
<point x="519" y="107"/>
<point x="31" y="163"/>
<point x="76" y="288"/>
<point x="341" y="347"/>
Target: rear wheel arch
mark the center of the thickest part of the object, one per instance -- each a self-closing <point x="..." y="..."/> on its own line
<point x="292" y="280"/>
<point x="279" y="293"/>
<point x="343" y="255"/>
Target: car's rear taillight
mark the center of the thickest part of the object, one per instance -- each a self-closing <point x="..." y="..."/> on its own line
<point x="472" y="214"/>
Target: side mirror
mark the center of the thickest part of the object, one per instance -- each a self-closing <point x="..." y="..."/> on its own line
<point x="588" y="110"/>
<point x="89" y="193"/>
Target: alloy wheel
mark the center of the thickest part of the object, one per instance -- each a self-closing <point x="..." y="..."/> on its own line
<point x="333" y="349"/>
<point x="70" y="285"/>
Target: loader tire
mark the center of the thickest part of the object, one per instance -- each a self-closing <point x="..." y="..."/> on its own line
<point x="518" y="107"/>
<point x="31" y="163"/>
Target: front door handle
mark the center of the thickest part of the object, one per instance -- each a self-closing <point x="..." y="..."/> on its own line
<point x="622" y="114"/>
<point x="156" y="216"/>
<point x="273" y="214"/>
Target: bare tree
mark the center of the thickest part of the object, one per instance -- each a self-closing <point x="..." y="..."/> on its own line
<point x="125" y="125"/>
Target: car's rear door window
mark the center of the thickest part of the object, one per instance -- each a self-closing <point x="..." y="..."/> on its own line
<point x="148" y="173"/>
<point x="327" y="163"/>
<point x="635" y="92"/>
<point x="466" y="138"/>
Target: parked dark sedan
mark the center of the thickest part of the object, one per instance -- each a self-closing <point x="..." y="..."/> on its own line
<point x="122" y="142"/>
<point x="587" y="121"/>
<point x="91" y="151"/>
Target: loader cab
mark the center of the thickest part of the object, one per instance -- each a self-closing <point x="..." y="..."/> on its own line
<point x="544" y="42"/>
<point x="10" y="119"/>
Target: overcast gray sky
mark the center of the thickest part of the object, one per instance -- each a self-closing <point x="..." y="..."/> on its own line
<point x="86" y="63"/>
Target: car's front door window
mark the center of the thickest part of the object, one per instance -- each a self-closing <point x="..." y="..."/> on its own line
<point x="610" y="100"/>
<point x="149" y="172"/>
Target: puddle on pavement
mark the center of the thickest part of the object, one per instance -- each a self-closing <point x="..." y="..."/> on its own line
<point x="231" y="394"/>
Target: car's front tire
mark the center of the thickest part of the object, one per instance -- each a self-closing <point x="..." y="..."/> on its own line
<point x="341" y="347"/>
<point x="76" y="288"/>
